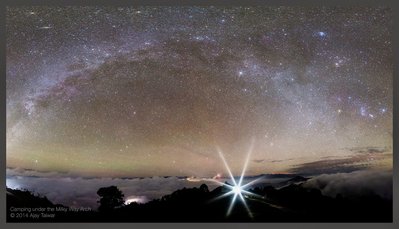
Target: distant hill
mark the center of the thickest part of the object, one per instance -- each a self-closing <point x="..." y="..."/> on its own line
<point x="25" y="198"/>
<point x="294" y="180"/>
<point x="279" y="180"/>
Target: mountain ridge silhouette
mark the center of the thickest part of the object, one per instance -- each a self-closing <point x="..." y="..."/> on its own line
<point x="290" y="203"/>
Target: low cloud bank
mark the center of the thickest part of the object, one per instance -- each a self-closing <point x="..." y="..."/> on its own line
<point x="80" y="191"/>
<point x="83" y="192"/>
<point x="356" y="183"/>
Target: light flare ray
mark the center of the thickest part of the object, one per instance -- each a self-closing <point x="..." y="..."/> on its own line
<point x="232" y="204"/>
<point x="246" y="162"/>
<point x="227" y="166"/>
<point x="237" y="189"/>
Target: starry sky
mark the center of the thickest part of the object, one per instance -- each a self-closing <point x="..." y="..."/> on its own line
<point x="154" y="91"/>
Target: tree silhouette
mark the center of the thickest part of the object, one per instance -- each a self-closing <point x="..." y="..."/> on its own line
<point x="110" y="198"/>
<point x="204" y="188"/>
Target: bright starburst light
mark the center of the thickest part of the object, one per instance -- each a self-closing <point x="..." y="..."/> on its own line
<point x="237" y="189"/>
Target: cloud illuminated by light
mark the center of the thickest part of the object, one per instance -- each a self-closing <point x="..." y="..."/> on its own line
<point x="136" y="199"/>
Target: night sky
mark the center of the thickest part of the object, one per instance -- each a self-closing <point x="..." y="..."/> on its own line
<point x="154" y="91"/>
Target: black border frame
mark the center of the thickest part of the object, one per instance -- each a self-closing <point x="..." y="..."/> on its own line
<point x="393" y="4"/>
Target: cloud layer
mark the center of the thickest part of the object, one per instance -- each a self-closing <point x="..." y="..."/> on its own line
<point x="82" y="191"/>
<point x="78" y="191"/>
<point x="362" y="160"/>
<point x="354" y="184"/>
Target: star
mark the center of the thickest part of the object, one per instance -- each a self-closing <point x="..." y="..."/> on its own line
<point x="237" y="190"/>
<point x="321" y="34"/>
<point x="45" y="27"/>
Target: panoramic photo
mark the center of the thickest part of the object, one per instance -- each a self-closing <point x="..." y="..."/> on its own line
<point x="199" y="114"/>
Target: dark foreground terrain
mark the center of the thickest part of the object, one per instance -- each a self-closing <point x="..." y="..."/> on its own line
<point x="292" y="203"/>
